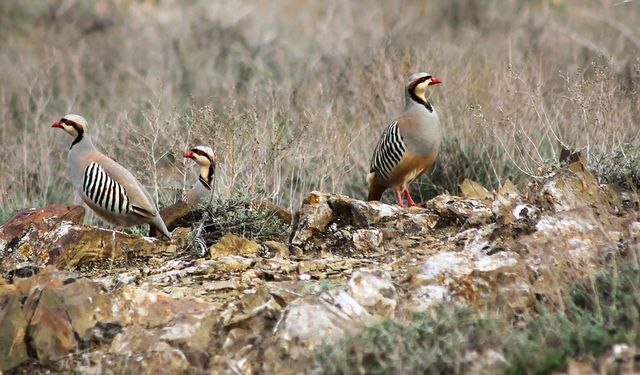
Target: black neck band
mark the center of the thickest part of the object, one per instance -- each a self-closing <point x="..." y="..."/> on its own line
<point x="419" y="100"/>
<point x="416" y="98"/>
<point x="207" y="184"/>
<point x="79" y="137"/>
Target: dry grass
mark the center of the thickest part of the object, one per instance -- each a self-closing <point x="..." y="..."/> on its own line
<point x="293" y="95"/>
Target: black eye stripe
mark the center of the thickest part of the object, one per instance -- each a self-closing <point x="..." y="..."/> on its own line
<point x="68" y="122"/>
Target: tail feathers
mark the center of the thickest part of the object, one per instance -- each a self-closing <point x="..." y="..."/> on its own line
<point x="157" y="224"/>
<point x="375" y="190"/>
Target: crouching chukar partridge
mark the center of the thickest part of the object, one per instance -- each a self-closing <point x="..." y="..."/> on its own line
<point x="104" y="185"/>
<point x="200" y="193"/>
<point x="409" y="146"/>
<point x="203" y="188"/>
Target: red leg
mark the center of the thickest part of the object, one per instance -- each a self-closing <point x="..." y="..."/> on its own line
<point x="399" y="198"/>
<point x="409" y="200"/>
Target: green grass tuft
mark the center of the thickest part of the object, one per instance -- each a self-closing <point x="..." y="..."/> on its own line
<point x="599" y="312"/>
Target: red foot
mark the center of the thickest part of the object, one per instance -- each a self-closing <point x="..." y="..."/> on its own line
<point x="409" y="200"/>
<point x="399" y="197"/>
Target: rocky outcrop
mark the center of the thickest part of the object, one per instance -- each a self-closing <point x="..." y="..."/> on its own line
<point x="54" y="235"/>
<point x="55" y="313"/>
<point x="29" y="240"/>
<point x="251" y="305"/>
<point x="13" y="331"/>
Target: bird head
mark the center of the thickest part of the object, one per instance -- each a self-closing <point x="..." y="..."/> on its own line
<point x="75" y="125"/>
<point x="418" y="83"/>
<point x="202" y="155"/>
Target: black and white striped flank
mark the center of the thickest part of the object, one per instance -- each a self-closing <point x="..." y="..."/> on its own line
<point x="104" y="191"/>
<point x="388" y="152"/>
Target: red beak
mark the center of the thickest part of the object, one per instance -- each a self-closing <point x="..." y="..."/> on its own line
<point x="57" y="124"/>
<point x="188" y="154"/>
<point x="434" y="81"/>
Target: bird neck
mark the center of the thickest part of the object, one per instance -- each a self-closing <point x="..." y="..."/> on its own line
<point x="415" y="100"/>
<point x="80" y="137"/>
<point x="81" y="143"/>
<point x="206" y="176"/>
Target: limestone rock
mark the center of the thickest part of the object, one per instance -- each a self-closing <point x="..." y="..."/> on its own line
<point x="86" y="304"/>
<point x="42" y="220"/>
<point x="134" y="340"/>
<point x="313" y="217"/>
<point x="473" y="189"/>
<point x="336" y="223"/>
<point x="232" y="263"/>
<point x="26" y="237"/>
<point x="81" y="245"/>
<point x="13" y="329"/>
<point x="34" y="238"/>
<point x="277" y="248"/>
<point x="50" y="330"/>
<point x="266" y="306"/>
<point x="471" y="211"/>
<point x="572" y="187"/>
<point x="162" y="327"/>
<point x="134" y="306"/>
<point x="374" y="291"/>
<point x="58" y="308"/>
<point x="509" y="205"/>
<point x="310" y="321"/>
<point x="192" y="333"/>
<point x="305" y="324"/>
<point x="566" y="246"/>
<point x="157" y="358"/>
<point x="367" y="240"/>
<point x="474" y="274"/>
<point x="230" y="244"/>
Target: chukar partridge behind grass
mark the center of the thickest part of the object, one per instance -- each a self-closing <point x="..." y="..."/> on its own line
<point x="203" y="188"/>
<point x="103" y="184"/>
<point x="409" y="146"/>
<point x="200" y="193"/>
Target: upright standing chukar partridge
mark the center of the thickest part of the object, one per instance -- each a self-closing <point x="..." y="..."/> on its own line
<point x="409" y="146"/>
<point x="104" y="185"/>
<point x="203" y="188"/>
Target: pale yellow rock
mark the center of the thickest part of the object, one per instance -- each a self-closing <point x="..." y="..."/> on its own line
<point x="473" y="189"/>
<point x="232" y="263"/>
<point x="277" y="248"/>
<point x="508" y="188"/>
<point x="230" y="244"/>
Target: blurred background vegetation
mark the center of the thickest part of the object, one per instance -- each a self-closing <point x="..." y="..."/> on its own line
<point x="293" y="94"/>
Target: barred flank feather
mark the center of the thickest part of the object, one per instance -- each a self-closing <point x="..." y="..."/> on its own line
<point x="104" y="191"/>
<point x="388" y="152"/>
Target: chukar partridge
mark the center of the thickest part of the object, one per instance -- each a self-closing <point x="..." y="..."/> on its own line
<point x="203" y="188"/>
<point x="202" y="191"/>
<point x="103" y="184"/>
<point x="409" y="146"/>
